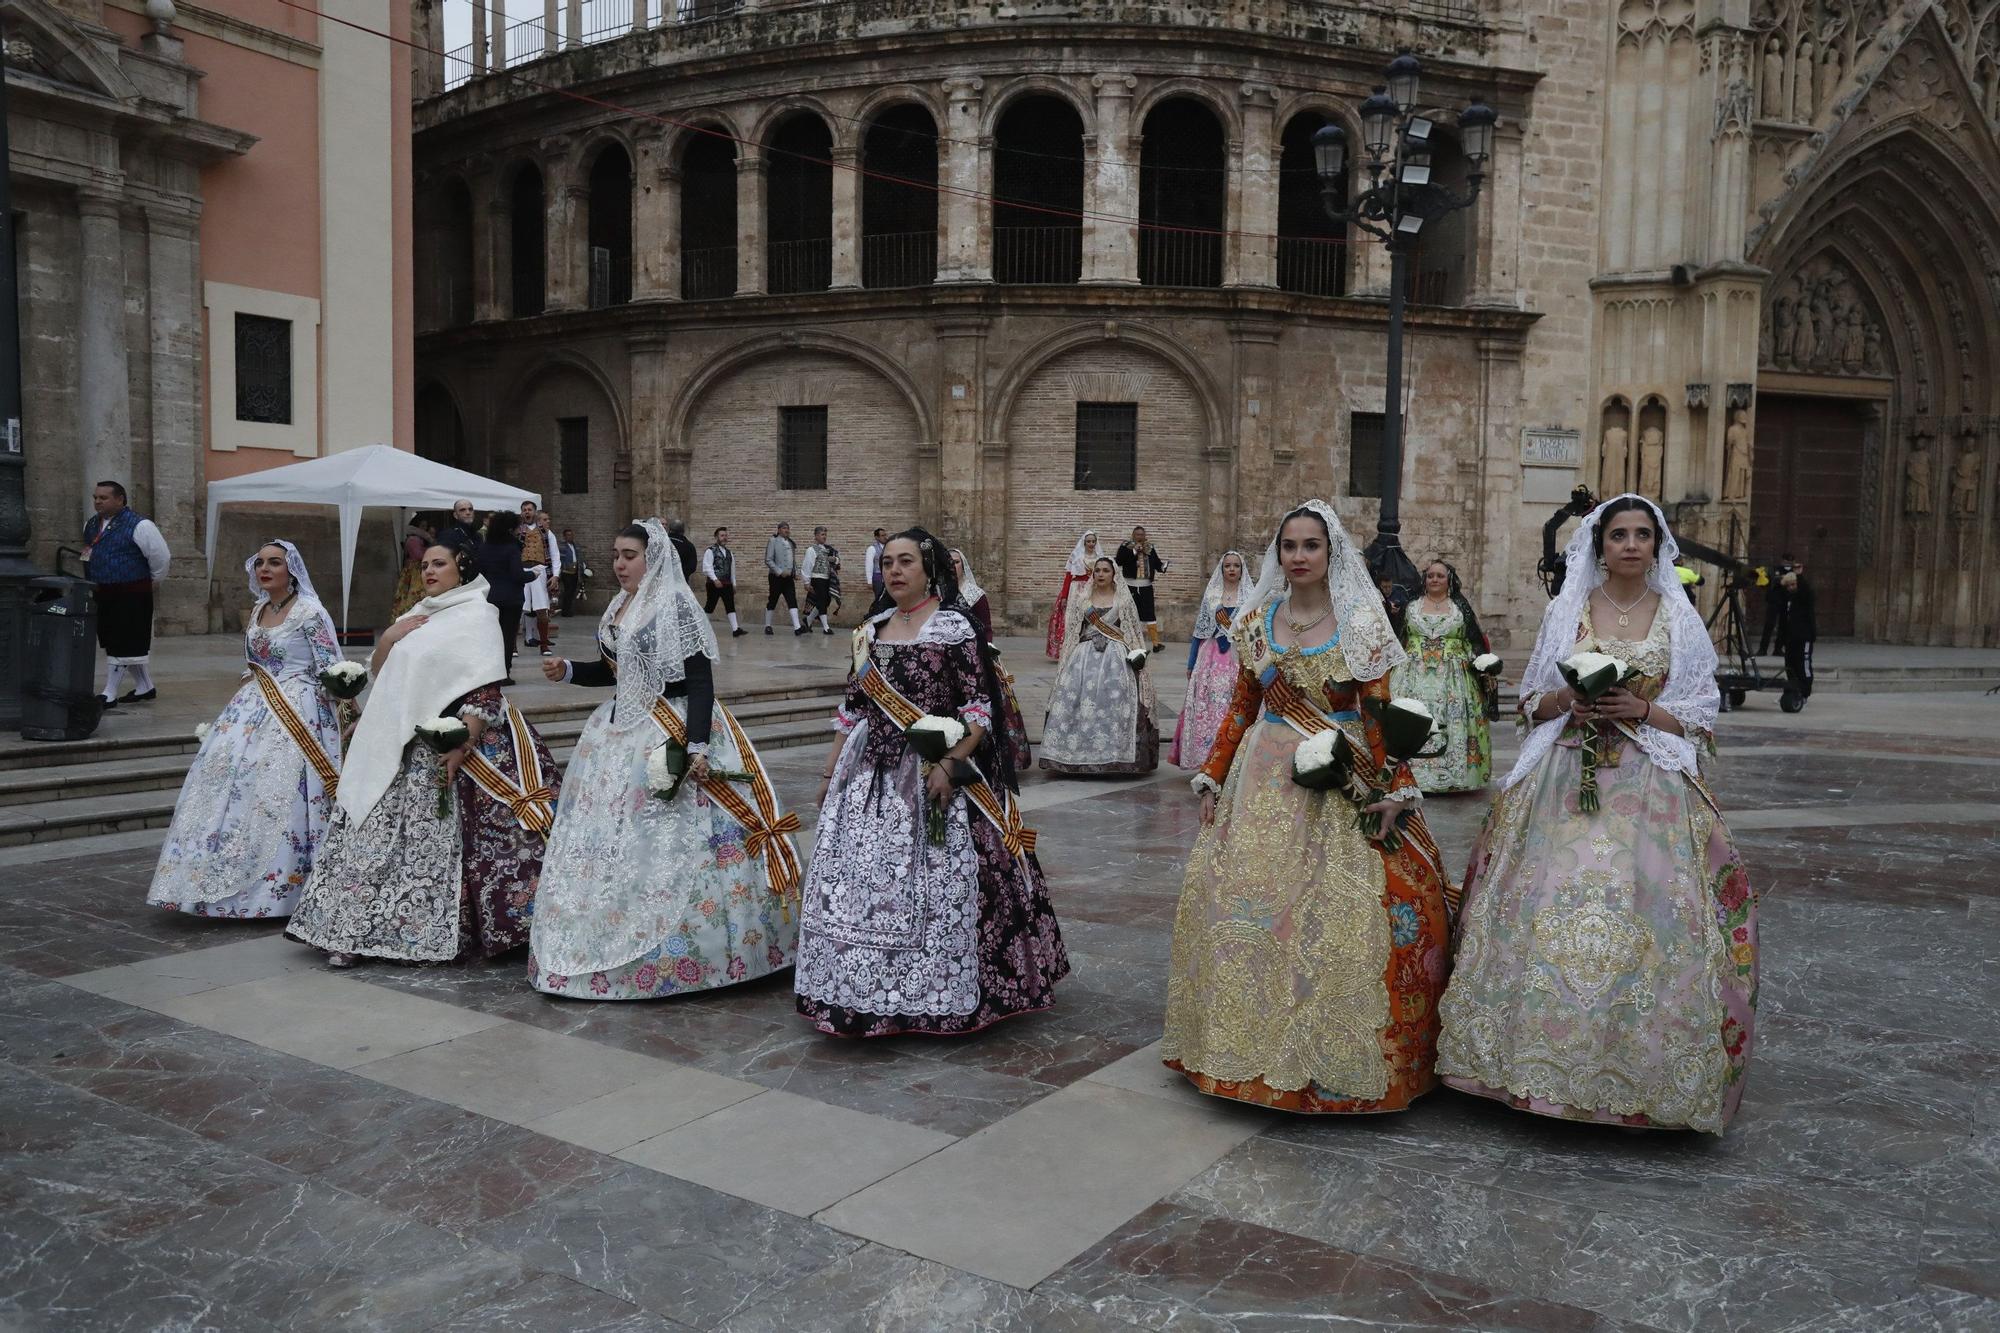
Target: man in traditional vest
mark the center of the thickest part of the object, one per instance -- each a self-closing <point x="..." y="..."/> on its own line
<point x="538" y="552"/>
<point x="817" y="570"/>
<point x="1140" y="563"/>
<point x="718" y="566"/>
<point x="124" y="556"/>
<point x="781" y="560"/>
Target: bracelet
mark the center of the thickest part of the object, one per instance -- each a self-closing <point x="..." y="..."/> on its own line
<point x="1647" y="720"/>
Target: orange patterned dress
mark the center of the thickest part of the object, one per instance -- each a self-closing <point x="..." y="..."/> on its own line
<point x="1307" y="960"/>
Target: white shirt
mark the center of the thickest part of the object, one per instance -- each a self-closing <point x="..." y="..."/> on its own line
<point x="555" y="555"/>
<point x="708" y="563"/>
<point x="153" y="546"/>
<point x="809" y="567"/>
<point x="871" y="564"/>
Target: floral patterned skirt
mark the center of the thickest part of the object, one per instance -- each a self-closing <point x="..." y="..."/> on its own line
<point x="1307" y="961"/>
<point x="1443" y="679"/>
<point x="1098" y="723"/>
<point x="1607" y="963"/>
<point x="1210" y="687"/>
<point x="643" y="898"/>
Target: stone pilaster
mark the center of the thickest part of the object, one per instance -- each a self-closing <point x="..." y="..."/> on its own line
<point x="962" y="211"/>
<point x="174" y="337"/>
<point x="750" y="259"/>
<point x="1253" y="193"/>
<point x="1111" y="186"/>
<point x="659" y="464"/>
<point x="567" y="277"/>
<point x="104" y="394"/>
<point x="846" y="218"/>
<point x="960" y="399"/>
<point x="656" y="233"/>
<point x="1246" y="495"/>
<point x="492" y="249"/>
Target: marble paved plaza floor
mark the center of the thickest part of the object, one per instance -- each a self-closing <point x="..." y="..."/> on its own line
<point x="202" y="1128"/>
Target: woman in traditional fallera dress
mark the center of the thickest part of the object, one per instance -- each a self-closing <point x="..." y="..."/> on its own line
<point x="1012" y="723"/>
<point x="396" y="879"/>
<point x="1607" y="961"/>
<point x="900" y="933"/>
<point x="1076" y="570"/>
<point x="1102" y="708"/>
<point x="1442" y="636"/>
<point x="1211" y="665"/>
<point x="643" y="897"/>
<point x="1307" y="956"/>
<point x="255" y="804"/>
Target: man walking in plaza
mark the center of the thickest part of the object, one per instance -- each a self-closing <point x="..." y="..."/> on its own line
<point x="538" y="552"/>
<point x="124" y="555"/>
<point x="677" y="533"/>
<point x="718" y="566"/>
<point x="781" y="564"/>
<point x="817" y="570"/>
<point x="871" y="565"/>
<point x="1798" y="628"/>
<point x="572" y="571"/>
<point x="1140" y="563"/>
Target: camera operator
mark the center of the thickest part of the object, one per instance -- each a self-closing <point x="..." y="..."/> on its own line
<point x="1796" y="633"/>
<point x="1776" y="600"/>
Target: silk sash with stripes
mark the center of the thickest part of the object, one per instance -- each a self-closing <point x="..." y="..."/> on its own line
<point x="1001" y="808"/>
<point x="295" y="727"/>
<point x="533" y="801"/>
<point x="768" y="830"/>
<point x="1285" y="700"/>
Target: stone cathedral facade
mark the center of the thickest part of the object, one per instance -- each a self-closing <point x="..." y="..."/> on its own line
<point x="1018" y="270"/>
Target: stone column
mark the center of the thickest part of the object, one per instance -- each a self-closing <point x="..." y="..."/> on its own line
<point x="499" y="33"/>
<point x="639" y="8"/>
<point x="1497" y="509"/>
<point x="565" y="237"/>
<point x="573" y="23"/>
<point x="846" y="217"/>
<point x="1256" y="490"/>
<point x="1253" y="193"/>
<point x="964" y="216"/>
<point x="656" y="239"/>
<point x="492" y="250"/>
<point x="174" y="303"/>
<point x="549" y="31"/>
<point x="956" y="504"/>
<point x="104" y="397"/>
<point x="478" y="36"/>
<point x="659" y="464"/>
<point x="1111" y="189"/>
<point x="749" y="221"/>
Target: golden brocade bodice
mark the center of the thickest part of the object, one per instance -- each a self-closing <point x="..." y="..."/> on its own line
<point x="1312" y="671"/>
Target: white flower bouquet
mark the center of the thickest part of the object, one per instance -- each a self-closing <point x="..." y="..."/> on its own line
<point x="1592" y="675"/>
<point x="1408" y="732"/>
<point x="443" y="735"/>
<point x="932" y="737"/>
<point x="1323" y="761"/>
<point x="201" y="730"/>
<point x="1487" y="664"/>
<point x="1136" y="659"/>
<point x="344" y="680"/>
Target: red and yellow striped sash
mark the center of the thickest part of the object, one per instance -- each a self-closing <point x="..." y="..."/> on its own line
<point x="768" y="830"/>
<point x="295" y="727"/>
<point x="533" y="801"/>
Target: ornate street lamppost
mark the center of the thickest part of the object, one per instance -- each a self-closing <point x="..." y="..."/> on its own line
<point x="1398" y="201"/>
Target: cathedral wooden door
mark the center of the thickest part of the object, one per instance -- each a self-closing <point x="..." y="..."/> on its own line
<point x="1805" y="498"/>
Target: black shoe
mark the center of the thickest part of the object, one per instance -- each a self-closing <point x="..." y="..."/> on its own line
<point x="509" y="680"/>
<point x="145" y="698"/>
<point x="828" y="632"/>
<point x="803" y="629"/>
<point x="1159" y="647"/>
<point x="738" y="633"/>
<point x="769" y="630"/>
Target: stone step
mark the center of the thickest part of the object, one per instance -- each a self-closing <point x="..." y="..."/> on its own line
<point x="41" y="817"/>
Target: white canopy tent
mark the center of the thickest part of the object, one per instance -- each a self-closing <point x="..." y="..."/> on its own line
<point x="376" y="475"/>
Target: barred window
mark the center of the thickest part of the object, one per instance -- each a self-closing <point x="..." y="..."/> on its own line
<point x="802" y="448"/>
<point x="1364" y="454"/>
<point x="1107" y="446"/>
<point x="263" y="369"/>
<point x="573" y="455"/>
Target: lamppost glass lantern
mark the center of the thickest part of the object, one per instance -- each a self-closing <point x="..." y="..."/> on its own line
<point x="1330" y="152"/>
<point x="1475" y="132"/>
<point x="1378" y="123"/>
<point x="1403" y="73"/>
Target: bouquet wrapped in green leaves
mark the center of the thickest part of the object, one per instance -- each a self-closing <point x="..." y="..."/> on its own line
<point x="443" y="735"/>
<point x="932" y="737"/>
<point x="667" y="767"/>
<point x="1408" y="730"/>
<point x="1592" y="676"/>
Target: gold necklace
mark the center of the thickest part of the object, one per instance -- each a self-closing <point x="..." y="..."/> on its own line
<point x="1297" y="627"/>
<point x="1624" y="612"/>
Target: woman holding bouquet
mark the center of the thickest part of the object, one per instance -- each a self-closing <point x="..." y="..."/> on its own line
<point x="643" y="896"/>
<point x="255" y="803"/>
<point x="1310" y="944"/>
<point x="1607" y="955"/>
<point x="432" y="856"/>
<point x="1442" y="636"/>
<point x="1075" y="571"/>
<point x="925" y="909"/>
<point x="976" y="601"/>
<point x="1211" y="665"/>
<point x="1102" y="706"/>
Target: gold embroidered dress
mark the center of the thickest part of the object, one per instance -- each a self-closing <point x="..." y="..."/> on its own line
<point x="1606" y="962"/>
<point x="1307" y="961"/>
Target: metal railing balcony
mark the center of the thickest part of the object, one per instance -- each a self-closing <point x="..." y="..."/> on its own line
<point x="708" y="274"/>
<point x="798" y="266"/>
<point x="1180" y="258"/>
<point x="1050" y="255"/>
<point x="1312" y="265"/>
<point x="899" y="259"/>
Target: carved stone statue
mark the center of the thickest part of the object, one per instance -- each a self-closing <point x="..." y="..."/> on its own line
<point x="1782" y="317"/>
<point x="1824" y="330"/>
<point x="1871" y="351"/>
<point x="1612" y="459"/>
<point x="1736" y="457"/>
<point x="1804" y="349"/>
<point x="1802" y="83"/>
<point x="1652" y="461"/>
<point x="1917" y="482"/>
<point x="1853" y="341"/>
<point x="1829" y="76"/>
<point x="1773" y="105"/>
<point x="1965" y="485"/>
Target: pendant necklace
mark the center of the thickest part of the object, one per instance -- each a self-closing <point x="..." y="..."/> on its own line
<point x="904" y="616"/>
<point x="1298" y="627"/>
<point x="1624" y="612"/>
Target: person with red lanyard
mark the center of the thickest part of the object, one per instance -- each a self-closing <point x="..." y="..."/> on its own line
<point x="124" y="555"/>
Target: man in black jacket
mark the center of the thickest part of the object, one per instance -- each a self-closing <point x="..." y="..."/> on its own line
<point x="1797" y="632"/>
<point x="677" y="533"/>
<point x="507" y="574"/>
<point x="1140" y="563"/>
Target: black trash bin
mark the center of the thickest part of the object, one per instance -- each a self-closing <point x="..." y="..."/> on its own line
<point x="59" y="661"/>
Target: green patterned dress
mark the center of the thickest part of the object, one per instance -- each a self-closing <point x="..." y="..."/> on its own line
<point x="1439" y="672"/>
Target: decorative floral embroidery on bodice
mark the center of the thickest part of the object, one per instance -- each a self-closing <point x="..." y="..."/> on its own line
<point x="294" y="647"/>
<point x="1313" y="671"/>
